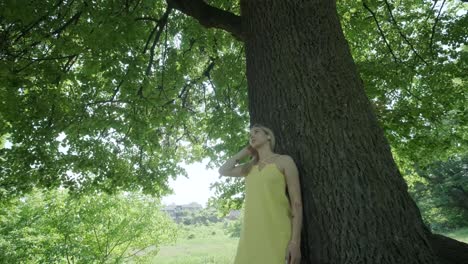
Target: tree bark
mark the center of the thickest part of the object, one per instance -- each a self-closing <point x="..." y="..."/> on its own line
<point x="209" y="16"/>
<point x="303" y="83"/>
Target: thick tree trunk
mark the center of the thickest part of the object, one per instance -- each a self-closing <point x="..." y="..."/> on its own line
<point x="303" y="83"/>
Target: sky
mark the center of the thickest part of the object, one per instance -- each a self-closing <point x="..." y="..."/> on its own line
<point x="195" y="188"/>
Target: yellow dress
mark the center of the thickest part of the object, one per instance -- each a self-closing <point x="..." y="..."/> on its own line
<point x="266" y="228"/>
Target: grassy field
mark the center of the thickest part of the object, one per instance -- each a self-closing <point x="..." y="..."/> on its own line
<point x="207" y="247"/>
<point x="460" y="234"/>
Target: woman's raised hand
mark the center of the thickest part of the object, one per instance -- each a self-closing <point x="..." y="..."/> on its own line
<point x="247" y="150"/>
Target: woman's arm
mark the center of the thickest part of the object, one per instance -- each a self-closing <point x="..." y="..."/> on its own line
<point x="229" y="168"/>
<point x="294" y="190"/>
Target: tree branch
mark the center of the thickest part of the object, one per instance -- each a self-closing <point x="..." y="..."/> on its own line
<point x="37" y="22"/>
<point x="74" y="19"/>
<point x="387" y="4"/>
<point x="159" y="27"/>
<point x="210" y="16"/>
<point x="381" y="31"/>
<point x="433" y="29"/>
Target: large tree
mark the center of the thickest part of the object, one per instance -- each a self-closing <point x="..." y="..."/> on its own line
<point x="118" y="86"/>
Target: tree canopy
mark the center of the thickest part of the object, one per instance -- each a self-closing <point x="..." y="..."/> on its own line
<point x="113" y="95"/>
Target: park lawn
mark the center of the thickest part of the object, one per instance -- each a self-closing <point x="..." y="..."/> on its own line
<point x="459" y="234"/>
<point x="219" y="248"/>
<point x="204" y="247"/>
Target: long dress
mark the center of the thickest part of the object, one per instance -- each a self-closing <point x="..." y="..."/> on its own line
<point x="266" y="228"/>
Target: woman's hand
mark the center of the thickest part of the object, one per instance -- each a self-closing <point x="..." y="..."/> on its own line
<point x="247" y="150"/>
<point x="293" y="253"/>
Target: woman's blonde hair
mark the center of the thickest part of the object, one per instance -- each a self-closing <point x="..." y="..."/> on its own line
<point x="248" y="165"/>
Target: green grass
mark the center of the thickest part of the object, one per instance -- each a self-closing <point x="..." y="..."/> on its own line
<point x="203" y="248"/>
<point x="459" y="234"/>
<point x="219" y="248"/>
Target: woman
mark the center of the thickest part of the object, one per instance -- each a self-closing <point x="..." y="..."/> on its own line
<point x="271" y="230"/>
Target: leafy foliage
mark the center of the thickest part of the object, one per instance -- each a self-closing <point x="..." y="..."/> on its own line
<point x="112" y="96"/>
<point x="412" y="57"/>
<point x="83" y="108"/>
<point x="441" y="193"/>
<point x="205" y="217"/>
<point x="55" y="227"/>
<point x="234" y="227"/>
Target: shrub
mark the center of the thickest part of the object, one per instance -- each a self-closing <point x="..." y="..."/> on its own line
<point x="54" y="227"/>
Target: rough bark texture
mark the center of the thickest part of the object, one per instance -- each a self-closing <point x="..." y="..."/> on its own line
<point x="303" y="83"/>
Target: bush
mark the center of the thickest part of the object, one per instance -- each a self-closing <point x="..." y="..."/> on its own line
<point x="440" y="192"/>
<point x="53" y="227"/>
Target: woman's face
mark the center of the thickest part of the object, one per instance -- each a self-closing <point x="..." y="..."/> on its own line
<point x="258" y="137"/>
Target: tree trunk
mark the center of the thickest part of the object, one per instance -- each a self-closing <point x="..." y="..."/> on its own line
<point x="303" y="83"/>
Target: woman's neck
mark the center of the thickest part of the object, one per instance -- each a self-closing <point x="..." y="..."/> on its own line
<point x="264" y="153"/>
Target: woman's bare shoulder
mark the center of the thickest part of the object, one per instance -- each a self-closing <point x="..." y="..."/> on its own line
<point x="282" y="161"/>
<point x="285" y="158"/>
<point x="285" y="161"/>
